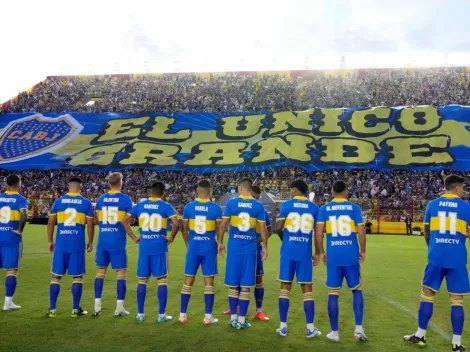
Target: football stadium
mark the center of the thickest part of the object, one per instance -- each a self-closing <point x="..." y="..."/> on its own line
<point x="307" y="208"/>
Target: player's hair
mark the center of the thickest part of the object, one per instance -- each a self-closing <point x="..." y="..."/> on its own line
<point x="75" y="180"/>
<point x="246" y="183"/>
<point x="300" y="185"/>
<point x="339" y="186"/>
<point x="453" y="180"/>
<point x="13" y="180"/>
<point x="115" y="178"/>
<point x="158" y="188"/>
<point x="204" y="184"/>
<point x="256" y="189"/>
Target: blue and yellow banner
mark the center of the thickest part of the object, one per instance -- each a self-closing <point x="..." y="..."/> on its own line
<point x="421" y="137"/>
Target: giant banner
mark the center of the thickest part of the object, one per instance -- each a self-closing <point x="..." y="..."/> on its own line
<point x="381" y="138"/>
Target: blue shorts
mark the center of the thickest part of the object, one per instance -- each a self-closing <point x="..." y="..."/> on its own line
<point x="10" y="256"/>
<point x="240" y="270"/>
<point x="259" y="262"/>
<point x="289" y="268"/>
<point x="152" y="265"/>
<point x="208" y="264"/>
<point x="72" y="263"/>
<point x="118" y="259"/>
<point x="457" y="279"/>
<point x="336" y="274"/>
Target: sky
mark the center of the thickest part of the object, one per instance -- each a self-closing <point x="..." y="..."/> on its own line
<point x="51" y="37"/>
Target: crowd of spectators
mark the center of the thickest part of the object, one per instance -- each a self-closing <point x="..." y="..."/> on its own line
<point x="396" y="191"/>
<point x="246" y="92"/>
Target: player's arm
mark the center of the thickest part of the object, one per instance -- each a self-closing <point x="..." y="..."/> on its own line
<point x="220" y="234"/>
<point x="361" y="233"/>
<point x="264" y="238"/>
<point x="50" y="231"/>
<point x="23" y="219"/>
<point x="126" y="223"/>
<point x="319" y="229"/>
<point x="90" y="226"/>
<point x="427" y="222"/>
<point x="185" y="231"/>
<point x="175" y="225"/>
<point x="280" y="222"/>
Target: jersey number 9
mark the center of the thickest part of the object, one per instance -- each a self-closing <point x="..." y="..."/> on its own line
<point x="340" y="225"/>
<point x="302" y="223"/>
<point x="5" y="215"/>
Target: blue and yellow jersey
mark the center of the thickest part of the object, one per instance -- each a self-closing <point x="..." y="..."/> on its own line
<point x="72" y="211"/>
<point x="300" y="216"/>
<point x="341" y="218"/>
<point x="11" y="204"/>
<point x="111" y="208"/>
<point x="268" y="223"/>
<point x="153" y="215"/>
<point x="448" y="218"/>
<point x="244" y="213"/>
<point x="202" y="216"/>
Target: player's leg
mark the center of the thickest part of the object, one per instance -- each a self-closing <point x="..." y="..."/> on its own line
<point x="247" y="281"/>
<point x="191" y="266"/>
<point x="102" y="261"/>
<point x="334" y="281"/>
<point x="58" y="270"/>
<point x="232" y="280"/>
<point x="119" y="263"/>
<point x="209" y="270"/>
<point x="76" y="269"/>
<point x="432" y="280"/>
<point x="353" y="278"/>
<point x="286" y="275"/>
<point x="160" y="271"/>
<point x="458" y="285"/>
<point x="304" y="272"/>
<point x="10" y="261"/>
<point x="259" y="289"/>
<point x="143" y="274"/>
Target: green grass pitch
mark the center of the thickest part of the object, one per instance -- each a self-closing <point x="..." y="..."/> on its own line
<point x="391" y="282"/>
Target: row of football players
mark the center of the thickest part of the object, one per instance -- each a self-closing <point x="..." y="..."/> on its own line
<point x="204" y="227"/>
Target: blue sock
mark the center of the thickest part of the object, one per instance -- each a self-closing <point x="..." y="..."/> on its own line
<point x="141" y="293"/>
<point x="457" y="316"/>
<point x="333" y="310"/>
<point x="162" y="294"/>
<point x="309" y="307"/>
<point x="259" y="295"/>
<point x="209" y="299"/>
<point x="99" y="282"/>
<point x="244" y="302"/>
<point x="54" y="290"/>
<point x="185" y="297"/>
<point x="121" y="288"/>
<point x="358" y="306"/>
<point x="233" y="299"/>
<point x="77" y="289"/>
<point x="283" y="305"/>
<point x="10" y="285"/>
<point x="425" y="311"/>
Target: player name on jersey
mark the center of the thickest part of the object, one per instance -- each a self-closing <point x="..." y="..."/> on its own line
<point x="339" y="207"/>
<point x="448" y="204"/>
<point x="71" y="201"/>
<point x="7" y="200"/>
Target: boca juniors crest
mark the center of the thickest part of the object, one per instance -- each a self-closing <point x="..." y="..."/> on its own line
<point x="35" y="135"/>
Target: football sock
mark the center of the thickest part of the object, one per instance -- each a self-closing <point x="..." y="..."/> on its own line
<point x="162" y="294"/>
<point x="309" y="307"/>
<point x="77" y="289"/>
<point x="259" y="296"/>
<point x="457" y="317"/>
<point x="333" y="309"/>
<point x="358" y="306"/>
<point x="209" y="299"/>
<point x="141" y="293"/>
<point x="54" y="290"/>
<point x="233" y="301"/>
<point x="10" y="283"/>
<point x="99" y="282"/>
<point x="425" y="311"/>
<point x="244" y="302"/>
<point x="121" y="287"/>
<point x="185" y="296"/>
<point x="283" y="306"/>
